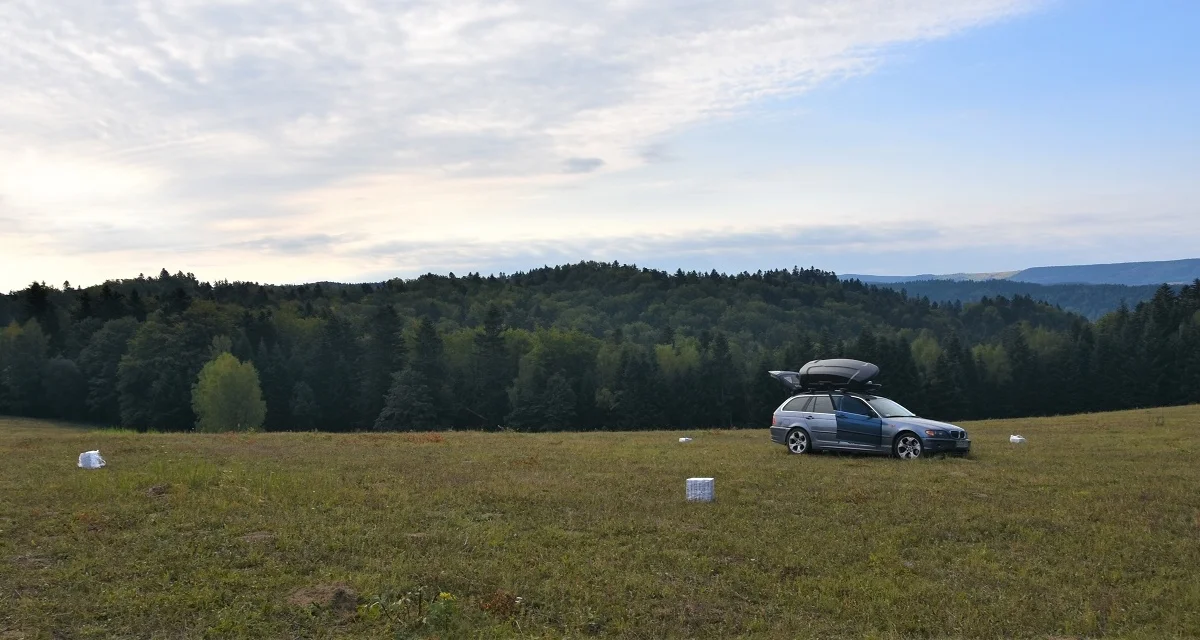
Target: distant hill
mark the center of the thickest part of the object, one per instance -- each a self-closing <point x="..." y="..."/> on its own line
<point x="972" y="277"/>
<point x="1125" y="273"/>
<point x="1089" y="300"/>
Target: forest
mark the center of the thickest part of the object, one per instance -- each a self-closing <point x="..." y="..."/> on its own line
<point x="1092" y="301"/>
<point x="587" y="346"/>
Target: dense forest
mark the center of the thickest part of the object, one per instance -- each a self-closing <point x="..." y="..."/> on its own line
<point x="1091" y="301"/>
<point x="584" y="346"/>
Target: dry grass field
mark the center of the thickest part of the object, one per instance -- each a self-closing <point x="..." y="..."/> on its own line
<point x="1091" y="529"/>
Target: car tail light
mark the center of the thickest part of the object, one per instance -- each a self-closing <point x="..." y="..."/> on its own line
<point x="773" y="420"/>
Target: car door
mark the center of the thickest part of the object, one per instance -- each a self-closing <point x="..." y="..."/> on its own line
<point x="857" y="424"/>
<point x="822" y="425"/>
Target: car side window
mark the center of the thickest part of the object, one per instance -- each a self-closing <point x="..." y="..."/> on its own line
<point x="797" y="404"/>
<point x="822" y="404"/>
<point x="850" y="404"/>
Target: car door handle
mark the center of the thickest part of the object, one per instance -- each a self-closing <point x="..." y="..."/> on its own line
<point x="808" y="417"/>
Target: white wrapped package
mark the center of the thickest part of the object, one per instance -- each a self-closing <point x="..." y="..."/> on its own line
<point x="685" y="439"/>
<point x="1016" y="439"/>
<point x="701" y="490"/>
<point x="90" y="460"/>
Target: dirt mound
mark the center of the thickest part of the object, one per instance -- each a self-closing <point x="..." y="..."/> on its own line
<point x="334" y="597"/>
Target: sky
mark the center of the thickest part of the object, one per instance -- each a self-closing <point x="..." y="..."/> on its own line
<point x="290" y="141"/>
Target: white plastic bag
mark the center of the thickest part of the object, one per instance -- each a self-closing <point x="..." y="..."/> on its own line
<point x="90" y="460"/>
<point x="685" y="439"/>
<point x="1016" y="439"/>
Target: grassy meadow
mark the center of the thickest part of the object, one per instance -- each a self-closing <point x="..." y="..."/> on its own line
<point x="1091" y="529"/>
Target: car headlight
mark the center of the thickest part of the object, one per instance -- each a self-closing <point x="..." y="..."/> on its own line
<point x="935" y="433"/>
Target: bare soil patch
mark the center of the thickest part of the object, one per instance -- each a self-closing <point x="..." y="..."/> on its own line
<point x="337" y="597"/>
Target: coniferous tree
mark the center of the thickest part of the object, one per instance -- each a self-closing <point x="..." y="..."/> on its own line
<point x="303" y="406"/>
<point x="336" y="377"/>
<point x="493" y="370"/>
<point x="558" y="404"/>
<point x="639" y="393"/>
<point x="23" y="357"/>
<point x="99" y="362"/>
<point x="427" y="363"/>
<point x="277" y="384"/>
<point x="383" y="356"/>
<point x="410" y="404"/>
<point x="722" y="384"/>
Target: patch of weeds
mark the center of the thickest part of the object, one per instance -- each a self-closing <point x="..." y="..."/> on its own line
<point x="416" y="610"/>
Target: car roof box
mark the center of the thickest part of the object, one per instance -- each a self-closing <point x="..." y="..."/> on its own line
<point x="842" y="373"/>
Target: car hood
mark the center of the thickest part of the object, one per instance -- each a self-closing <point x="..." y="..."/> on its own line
<point x="921" y="423"/>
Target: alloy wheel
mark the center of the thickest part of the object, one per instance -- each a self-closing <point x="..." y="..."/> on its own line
<point x="908" y="447"/>
<point x="797" y="441"/>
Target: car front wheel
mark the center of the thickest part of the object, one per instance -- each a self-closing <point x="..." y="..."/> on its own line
<point x="907" y="447"/>
<point x="797" y="441"/>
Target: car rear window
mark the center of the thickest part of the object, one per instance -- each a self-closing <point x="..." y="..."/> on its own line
<point x="797" y="404"/>
<point x="822" y="404"/>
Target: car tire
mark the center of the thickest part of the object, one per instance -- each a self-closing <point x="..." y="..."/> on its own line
<point x="798" y="442"/>
<point x="907" y="446"/>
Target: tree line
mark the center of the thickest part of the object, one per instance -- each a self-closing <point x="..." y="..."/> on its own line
<point x="1093" y="301"/>
<point x="578" y="347"/>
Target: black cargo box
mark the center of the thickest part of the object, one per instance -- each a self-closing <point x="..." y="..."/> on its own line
<point x="839" y="372"/>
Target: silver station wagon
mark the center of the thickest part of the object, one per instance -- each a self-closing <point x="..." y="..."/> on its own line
<point x="828" y="415"/>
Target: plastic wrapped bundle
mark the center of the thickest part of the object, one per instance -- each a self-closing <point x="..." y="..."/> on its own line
<point x="90" y="460"/>
<point x="701" y="490"/>
<point x="1016" y="439"/>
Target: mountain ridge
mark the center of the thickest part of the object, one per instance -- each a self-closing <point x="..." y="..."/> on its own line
<point x="1120" y="273"/>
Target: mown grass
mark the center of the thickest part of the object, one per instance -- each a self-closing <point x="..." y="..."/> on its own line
<point x="1091" y="529"/>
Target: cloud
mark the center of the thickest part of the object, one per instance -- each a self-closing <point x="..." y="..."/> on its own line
<point x="582" y="165"/>
<point x="201" y="123"/>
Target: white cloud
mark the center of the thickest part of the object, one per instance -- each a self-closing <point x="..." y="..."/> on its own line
<point x="207" y="120"/>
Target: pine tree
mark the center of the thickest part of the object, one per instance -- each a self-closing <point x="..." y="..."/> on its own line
<point x="63" y="390"/>
<point x="99" y="362"/>
<point x="383" y="356"/>
<point x="427" y="361"/>
<point x="23" y="357"/>
<point x="722" y="384"/>
<point x="303" y="406"/>
<point x="558" y="404"/>
<point x="277" y="385"/>
<point x="336" y="378"/>
<point x="765" y="393"/>
<point x="409" y="405"/>
<point x="493" y="370"/>
<point x="640" y="391"/>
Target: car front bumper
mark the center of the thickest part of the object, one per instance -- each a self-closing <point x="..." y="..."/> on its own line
<point x="946" y="445"/>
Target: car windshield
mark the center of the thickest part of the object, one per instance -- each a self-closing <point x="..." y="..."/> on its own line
<point x="890" y="409"/>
